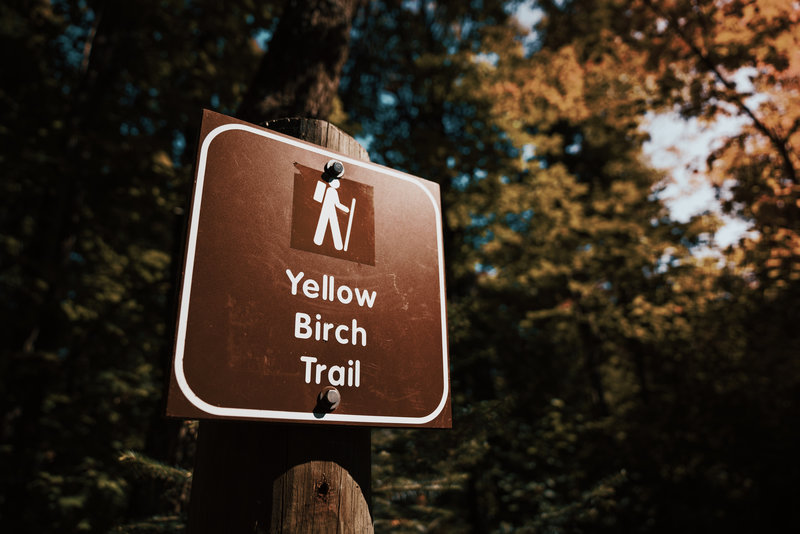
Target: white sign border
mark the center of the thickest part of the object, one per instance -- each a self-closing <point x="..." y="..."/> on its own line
<point x="252" y="413"/>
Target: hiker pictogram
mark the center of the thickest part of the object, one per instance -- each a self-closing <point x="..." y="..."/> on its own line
<point x="333" y="215"/>
<point x="327" y="194"/>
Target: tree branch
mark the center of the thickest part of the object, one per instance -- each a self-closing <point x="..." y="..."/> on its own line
<point x="780" y="144"/>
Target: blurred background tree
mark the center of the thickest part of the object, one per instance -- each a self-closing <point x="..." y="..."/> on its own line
<point x="606" y="376"/>
<point x="101" y="103"/>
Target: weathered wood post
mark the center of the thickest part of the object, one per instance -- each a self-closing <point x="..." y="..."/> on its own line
<point x="253" y="477"/>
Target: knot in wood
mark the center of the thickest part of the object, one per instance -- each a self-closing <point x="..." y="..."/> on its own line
<point x="322" y="490"/>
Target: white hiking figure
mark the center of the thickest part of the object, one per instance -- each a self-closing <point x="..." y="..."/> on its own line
<point x="328" y="216"/>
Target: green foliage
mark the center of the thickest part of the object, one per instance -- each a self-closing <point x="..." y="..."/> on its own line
<point x="101" y="100"/>
<point x="173" y="489"/>
<point x="627" y="367"/>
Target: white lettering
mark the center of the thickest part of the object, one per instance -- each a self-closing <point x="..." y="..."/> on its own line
<point x="336" y="373"/>
<point x="339" y="329"/>
<point x="356" y="330"/>
<point x="344" y="334"/>
<point x="364" y="297"/>
<point x="302" y="328"/>
<point x="336" y="381"/>
<point x="308" y="361"/>
<point x="294" y="280"/>
<point x="342" y="298"/>
<point x="320" y="367"/>
<point x="327" y="327"/>
<point x="310" y="288"/>
<point x="328" y="290"/>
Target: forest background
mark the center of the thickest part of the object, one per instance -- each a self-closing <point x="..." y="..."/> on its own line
<point x="605" y="376"/>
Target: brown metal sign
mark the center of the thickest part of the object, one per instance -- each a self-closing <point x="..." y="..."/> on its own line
<point x="307" y="297"/>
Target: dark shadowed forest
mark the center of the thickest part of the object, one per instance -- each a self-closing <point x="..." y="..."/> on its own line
<point x="613" y="369"/>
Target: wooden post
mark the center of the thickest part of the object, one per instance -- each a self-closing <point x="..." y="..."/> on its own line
<point x="253" y="477"/>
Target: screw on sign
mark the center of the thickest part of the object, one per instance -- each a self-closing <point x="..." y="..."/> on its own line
<point x="308" y="270"/>
<point x="329" y="398"/>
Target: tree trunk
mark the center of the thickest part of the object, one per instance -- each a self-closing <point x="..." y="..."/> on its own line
<point x="299" y="75"/>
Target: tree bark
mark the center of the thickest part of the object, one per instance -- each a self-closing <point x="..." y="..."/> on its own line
<point x="299" y="74"/>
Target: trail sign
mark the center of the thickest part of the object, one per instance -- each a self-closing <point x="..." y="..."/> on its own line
<point x="313" y="287"/>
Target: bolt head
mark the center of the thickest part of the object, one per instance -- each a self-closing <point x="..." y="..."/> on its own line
<point x="329" y="398"/>
<point x="333" y="170"/>
<point x="332" y="396"/>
